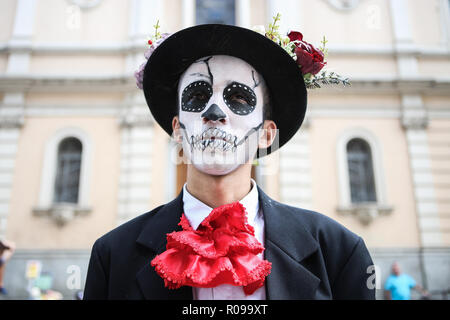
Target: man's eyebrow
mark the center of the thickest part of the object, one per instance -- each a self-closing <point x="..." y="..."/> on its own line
<point x="199" y="74"/>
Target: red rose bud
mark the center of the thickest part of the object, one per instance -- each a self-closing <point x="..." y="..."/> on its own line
<point x="150" y="42"/>
<point x="295" y="35"/>
<point x="309" y="58"/>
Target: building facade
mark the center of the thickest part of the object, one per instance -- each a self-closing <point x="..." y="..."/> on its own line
<point x="80" y="153"/>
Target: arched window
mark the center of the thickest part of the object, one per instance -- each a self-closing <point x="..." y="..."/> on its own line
<point x="215" y="11"/>
<point x="65" y="186"/>
<point x="360" y="171"/>
<point x="67" y="180"/>
<point x="362" y="191"/>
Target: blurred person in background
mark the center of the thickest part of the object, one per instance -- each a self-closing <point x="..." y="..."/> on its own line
<point x="6" y="251"/>
<point x="398" y="286"/>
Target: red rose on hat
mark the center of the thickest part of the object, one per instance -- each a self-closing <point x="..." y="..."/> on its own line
<point x="309" y="58"/>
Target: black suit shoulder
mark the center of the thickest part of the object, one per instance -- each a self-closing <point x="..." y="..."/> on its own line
<point x="321" y="227"/>
<point x="126" y="232"/>
<point x="115" y="260"/>
<point x="346" y="260"/>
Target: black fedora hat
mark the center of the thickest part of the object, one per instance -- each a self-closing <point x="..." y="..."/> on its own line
<point x="283" y="77"/>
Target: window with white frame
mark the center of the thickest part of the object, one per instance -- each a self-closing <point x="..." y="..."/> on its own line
<point x="360" y="171"/>
<point x="68" y="171"/>
<point x="64" y="192"/>
<point x="66" y="168"/>
<point x="361" y="184"/>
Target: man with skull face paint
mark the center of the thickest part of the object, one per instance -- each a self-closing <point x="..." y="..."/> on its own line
<point x="212" y="87"/>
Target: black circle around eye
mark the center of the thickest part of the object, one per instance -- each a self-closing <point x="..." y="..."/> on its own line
<point x="239" y="98"/>
<point x="195" y="96"/>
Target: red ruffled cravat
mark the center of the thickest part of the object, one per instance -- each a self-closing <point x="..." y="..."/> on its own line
<point x="223" y="250"/>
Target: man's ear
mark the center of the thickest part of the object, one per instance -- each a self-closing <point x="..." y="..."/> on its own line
<point x="176" y="134"/>
<point x="269" y="131"/>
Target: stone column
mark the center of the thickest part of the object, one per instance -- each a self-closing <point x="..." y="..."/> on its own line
<point x="243" y="13"/>
<point x="444" y="8"/>
<point x="295" y="170"/>
<point x="290" y="11"/>
<point x="414" y="120"/>
<point x="9" y="139"/>
<point x="187" y="13"/>
<point x="143" y="16"/>
<point x="415" y="123"/>
<point x="135" y="122"/>
<point x="12" y="106"/>
<point x="136" y="151"/>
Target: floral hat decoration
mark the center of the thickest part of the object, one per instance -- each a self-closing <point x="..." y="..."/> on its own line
<point x="310" y="59"/>
<point x="288" y="64"/>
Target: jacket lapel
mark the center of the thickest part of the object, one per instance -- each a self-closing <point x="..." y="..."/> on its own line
<point x="153" y="236"/>
<point x="287" y="244"/>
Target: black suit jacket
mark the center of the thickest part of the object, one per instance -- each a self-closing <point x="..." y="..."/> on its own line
<point x="313" y="256"/>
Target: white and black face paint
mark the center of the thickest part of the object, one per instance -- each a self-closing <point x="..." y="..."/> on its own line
<point x="221" y="112"/>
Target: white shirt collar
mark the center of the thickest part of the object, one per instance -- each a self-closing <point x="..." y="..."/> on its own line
<point x="196" y="211"/>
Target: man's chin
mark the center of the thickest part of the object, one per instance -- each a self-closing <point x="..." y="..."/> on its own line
<point x="216" y="170"/>
<point x="216" y="164"/>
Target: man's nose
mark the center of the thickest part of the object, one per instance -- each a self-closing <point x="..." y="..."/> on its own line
<point x="214" y="113"/>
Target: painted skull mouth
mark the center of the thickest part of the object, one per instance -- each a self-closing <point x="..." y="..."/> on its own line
<point x="214" y="139"/>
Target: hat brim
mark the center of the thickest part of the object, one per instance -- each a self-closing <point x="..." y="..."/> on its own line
<point x="283" y="77"/>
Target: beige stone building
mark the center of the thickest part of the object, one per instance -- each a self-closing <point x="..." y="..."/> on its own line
<point x="81" y="154"/>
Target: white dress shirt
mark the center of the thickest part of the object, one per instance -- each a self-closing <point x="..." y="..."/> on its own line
<point x="196" y="211"/>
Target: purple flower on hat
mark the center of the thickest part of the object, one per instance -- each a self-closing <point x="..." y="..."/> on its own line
<point x="139" y="74"/>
